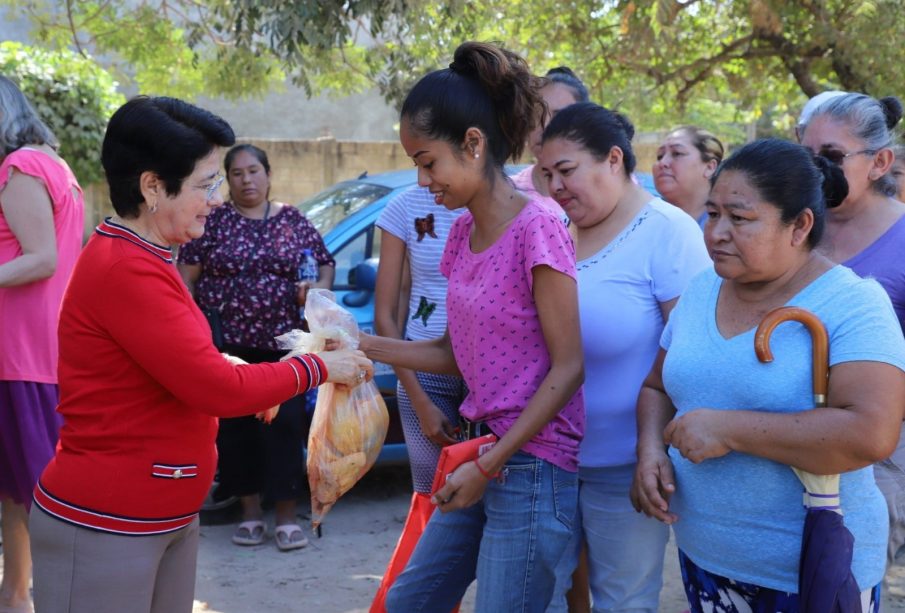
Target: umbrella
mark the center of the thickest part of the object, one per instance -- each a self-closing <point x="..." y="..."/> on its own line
<point x="825" y="581"/>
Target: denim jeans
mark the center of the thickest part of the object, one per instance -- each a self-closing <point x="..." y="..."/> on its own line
<point x="511" y="541"/>
<point x="625" y="548"/>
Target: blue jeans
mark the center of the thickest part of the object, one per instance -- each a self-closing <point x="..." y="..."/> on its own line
<point x="625" y="548"/>
<point x="511" y="541"/>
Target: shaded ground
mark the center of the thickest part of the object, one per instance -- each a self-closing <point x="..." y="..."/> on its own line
<point x="339" y="573"/>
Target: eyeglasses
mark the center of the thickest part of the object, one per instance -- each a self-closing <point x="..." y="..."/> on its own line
<point x="210" y="190"/>
<point x="837" y="157"/>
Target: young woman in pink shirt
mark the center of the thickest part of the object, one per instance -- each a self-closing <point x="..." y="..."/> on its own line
<point x="513" y="335"/>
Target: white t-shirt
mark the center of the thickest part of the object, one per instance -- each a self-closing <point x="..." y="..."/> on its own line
<point x="423" y="225"/>
<point x="620" y="289"/>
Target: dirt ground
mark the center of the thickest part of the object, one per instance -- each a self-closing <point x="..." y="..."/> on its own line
<point x="339" y="573"/>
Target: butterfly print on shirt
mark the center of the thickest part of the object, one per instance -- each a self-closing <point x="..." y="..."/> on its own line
<point x="425" y="225"/>
<point x="425" y="310"/>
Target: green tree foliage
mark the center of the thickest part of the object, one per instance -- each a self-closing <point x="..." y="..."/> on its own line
<point x="719" y="63"/>
<point x="72" y="94"/>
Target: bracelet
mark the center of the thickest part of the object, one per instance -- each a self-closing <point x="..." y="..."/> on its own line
<point x="298" y="379"/>
<point x="486" y="474"/>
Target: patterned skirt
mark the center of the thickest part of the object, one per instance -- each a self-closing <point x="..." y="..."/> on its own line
<point x="709" y="593"/>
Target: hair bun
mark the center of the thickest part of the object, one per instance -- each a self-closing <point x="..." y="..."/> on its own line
<point x="626" y="124"/>
<point x="892" y="109"/>
<point x="835" y="187"/>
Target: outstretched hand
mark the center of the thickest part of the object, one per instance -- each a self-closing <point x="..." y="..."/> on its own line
<point x="347" y="366"/>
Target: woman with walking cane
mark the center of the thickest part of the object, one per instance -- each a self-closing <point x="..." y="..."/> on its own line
<point x="718" y="430"/>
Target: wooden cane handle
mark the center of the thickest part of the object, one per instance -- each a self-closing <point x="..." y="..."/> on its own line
<point x="820" y="344"/>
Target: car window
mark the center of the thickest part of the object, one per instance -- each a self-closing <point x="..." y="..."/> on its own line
<point x="366" y="244"/>
<point x="331" y="206"/>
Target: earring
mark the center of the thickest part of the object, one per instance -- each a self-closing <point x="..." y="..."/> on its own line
<point x="152" y="208"/>
<point x="477" y="155"/>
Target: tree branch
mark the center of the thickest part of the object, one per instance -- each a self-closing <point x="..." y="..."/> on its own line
<point x="75" y="36"/>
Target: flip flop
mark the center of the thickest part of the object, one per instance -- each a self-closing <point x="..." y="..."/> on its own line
<point x="289" y="537"/>
<point x="250" y="533"/>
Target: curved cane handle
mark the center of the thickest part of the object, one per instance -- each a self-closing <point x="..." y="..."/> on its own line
<point x="820" y="344"/>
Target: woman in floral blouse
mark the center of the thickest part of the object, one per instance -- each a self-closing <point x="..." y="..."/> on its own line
<point x="246" y="267"/>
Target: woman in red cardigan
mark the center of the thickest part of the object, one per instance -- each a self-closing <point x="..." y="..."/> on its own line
<point x="114" y="526"/>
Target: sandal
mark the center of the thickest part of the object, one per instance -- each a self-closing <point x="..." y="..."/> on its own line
<point x="250" y="533"/>
<point x="289" y="537"/>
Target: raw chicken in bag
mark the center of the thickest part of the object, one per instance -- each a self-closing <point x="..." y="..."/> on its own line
<point x="350" y="423"/>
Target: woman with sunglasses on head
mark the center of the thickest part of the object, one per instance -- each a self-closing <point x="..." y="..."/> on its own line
<point x="867" y="231"/>
<point x="246" y="268"/>
<point x="512" y="333"/>
<point x="114" y="525"/>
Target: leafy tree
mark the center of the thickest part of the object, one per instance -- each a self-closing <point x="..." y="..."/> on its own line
<point x="72" y="94"/>
<point x="720" y="63"/>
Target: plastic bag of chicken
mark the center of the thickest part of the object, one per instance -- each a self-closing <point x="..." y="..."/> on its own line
<point x="349" y="423"/>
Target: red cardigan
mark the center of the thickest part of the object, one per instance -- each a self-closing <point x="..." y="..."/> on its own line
<point x="141" y="387"/>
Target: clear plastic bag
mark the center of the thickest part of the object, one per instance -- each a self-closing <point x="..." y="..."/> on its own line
<point x="349" y="424"/>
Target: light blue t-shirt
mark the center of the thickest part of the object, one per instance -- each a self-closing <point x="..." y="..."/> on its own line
<point x="741" y="516"/>
<point x="620" y="289"/>
<point x="414" y="218"/>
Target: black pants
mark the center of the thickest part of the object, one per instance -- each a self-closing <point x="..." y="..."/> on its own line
<point x="257" y="458"/>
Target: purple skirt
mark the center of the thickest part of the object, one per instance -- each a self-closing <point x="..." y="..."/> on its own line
<point x="29" y="429"/>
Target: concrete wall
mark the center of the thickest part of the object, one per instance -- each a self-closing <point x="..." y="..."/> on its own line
<point x="289" y="114"/>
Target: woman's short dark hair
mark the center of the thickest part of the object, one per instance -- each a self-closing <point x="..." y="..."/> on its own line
<point x="257" y="152"/>
<point x="485" y="87"/>
<point x="596" y="129"/>
<point x="791" y="178"/>
<point x="564" y="76"/>
<point x="162" y="135"/>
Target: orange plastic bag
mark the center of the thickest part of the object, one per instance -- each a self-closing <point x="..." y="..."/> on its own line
<point x="349" y="424"/>
<point x="419" y="513"/>
<point x="453" y="456"/>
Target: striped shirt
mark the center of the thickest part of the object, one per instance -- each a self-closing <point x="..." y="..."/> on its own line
<point x="414" y="218"/>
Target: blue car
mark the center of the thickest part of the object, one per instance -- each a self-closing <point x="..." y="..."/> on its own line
<point x="345" y="215"/>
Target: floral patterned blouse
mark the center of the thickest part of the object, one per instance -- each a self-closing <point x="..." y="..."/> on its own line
<point x="250" y="268"/>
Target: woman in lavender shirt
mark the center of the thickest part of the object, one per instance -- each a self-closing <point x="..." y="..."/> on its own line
<point x="867" y="231"/>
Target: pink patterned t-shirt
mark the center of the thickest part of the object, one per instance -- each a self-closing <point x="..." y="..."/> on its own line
<point x="495" y="330"/>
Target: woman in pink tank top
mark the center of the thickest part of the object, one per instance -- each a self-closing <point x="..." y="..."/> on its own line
<point x="41" y="221"/>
